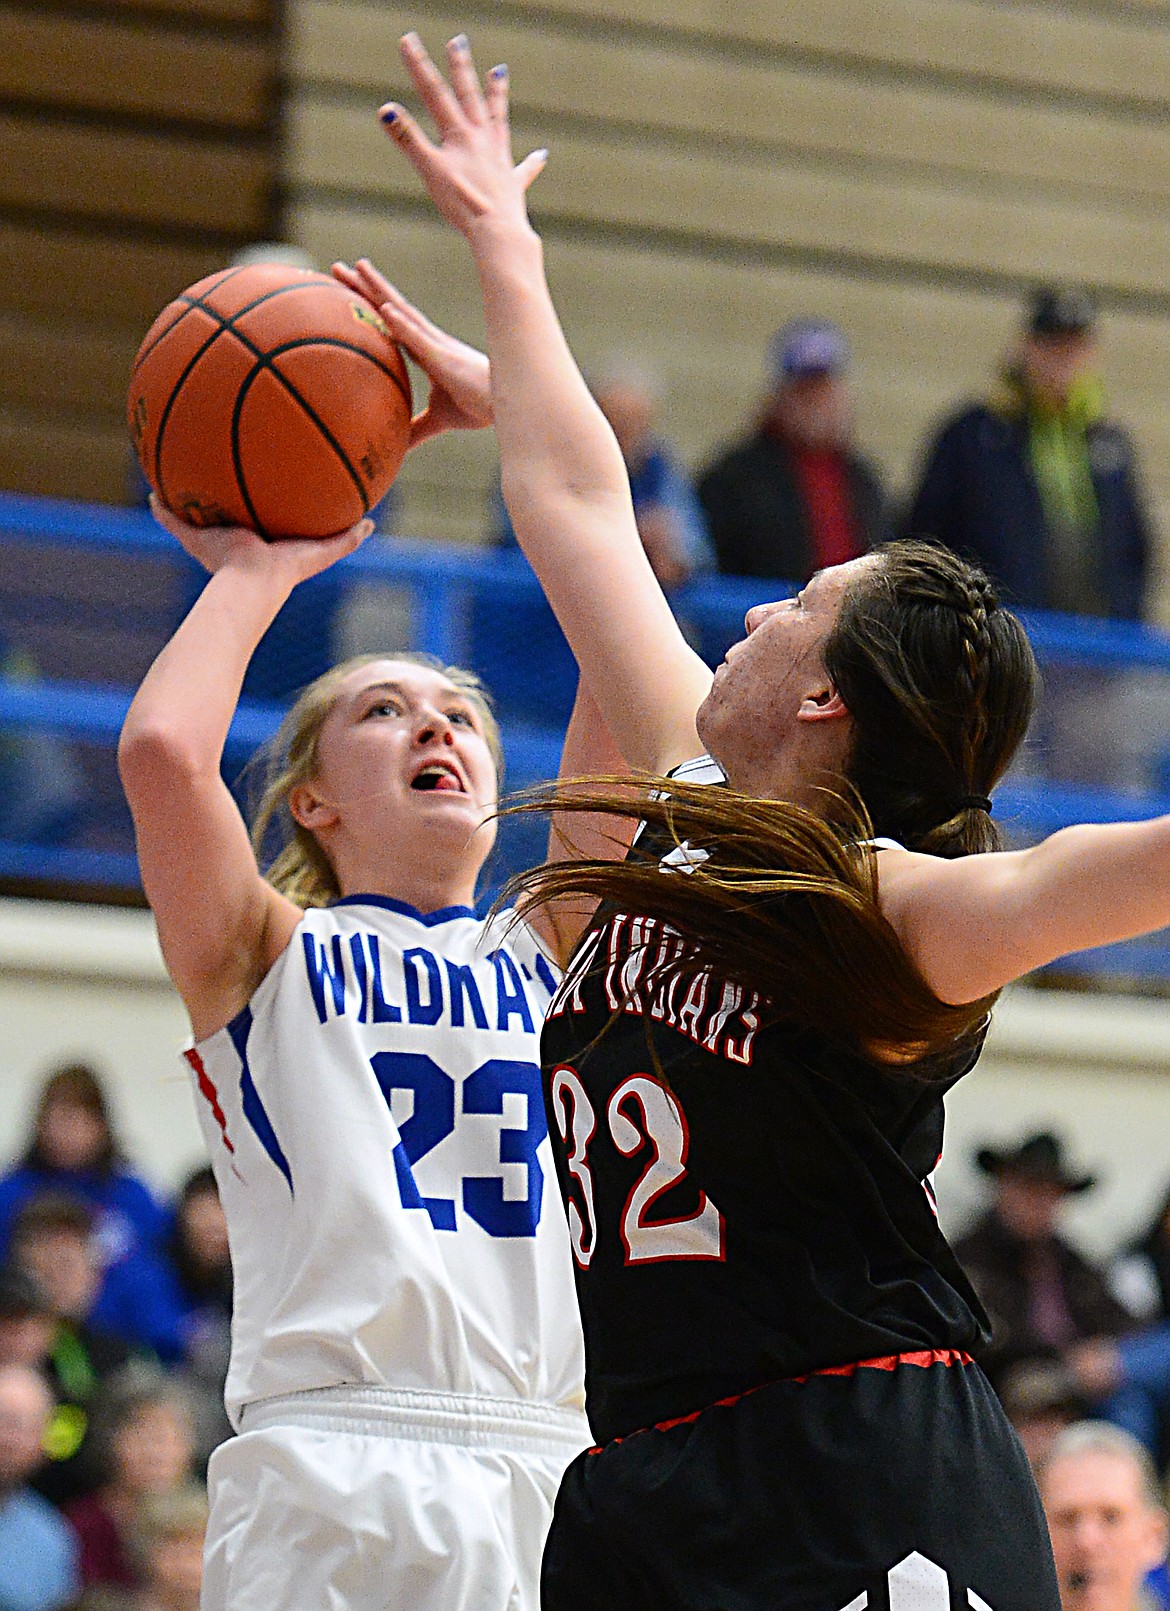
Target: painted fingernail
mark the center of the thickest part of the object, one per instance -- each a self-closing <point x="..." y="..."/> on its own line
<point x="499" y="72"/>
<point x="388" y="114"/>
<point x="459" y="42"/>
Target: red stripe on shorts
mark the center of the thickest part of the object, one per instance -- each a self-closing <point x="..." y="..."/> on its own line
<point x="923" y="1359"/>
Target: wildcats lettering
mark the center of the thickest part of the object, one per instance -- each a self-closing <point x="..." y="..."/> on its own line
<point x="633" y="961"/>
<point x="413" y="987"/>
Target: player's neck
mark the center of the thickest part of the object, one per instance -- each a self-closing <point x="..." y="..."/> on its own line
<point x="426" y="888"/>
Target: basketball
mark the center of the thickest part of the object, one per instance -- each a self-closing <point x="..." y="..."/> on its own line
<point x="270" y="397"/>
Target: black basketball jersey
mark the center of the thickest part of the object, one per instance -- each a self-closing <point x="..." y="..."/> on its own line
<point x="746" y="1202"/>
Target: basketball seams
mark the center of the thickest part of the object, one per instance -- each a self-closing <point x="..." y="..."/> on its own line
<point x="263" y="363"/>
<point x="187" y="302"/>
<point x="263" y="360"/>
<point x="337" y="341"/>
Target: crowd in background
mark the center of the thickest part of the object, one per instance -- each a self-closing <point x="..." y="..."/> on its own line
<point x="1035" y="481"/>
<point x="115" y="1332"/>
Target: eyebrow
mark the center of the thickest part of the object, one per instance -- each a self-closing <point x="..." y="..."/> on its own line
<point x="390" y="687"/>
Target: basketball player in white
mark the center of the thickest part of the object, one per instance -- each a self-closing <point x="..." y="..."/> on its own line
<point x="406" y="1373"/>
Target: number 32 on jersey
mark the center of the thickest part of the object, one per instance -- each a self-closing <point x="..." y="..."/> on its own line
<point x="641" y="1117"/>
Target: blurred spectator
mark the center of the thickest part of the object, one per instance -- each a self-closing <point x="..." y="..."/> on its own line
<point x="1105" y="1517"/>
<point x="41" y="782"/>
<point x="1040" y="1399"/>
<point x="1036" y="483"/>
<point x="53" y="1242"/>
<point x="28" y="1323"/>
<point x="1140" y="1274"/>
<point x="168" y="1551"/>
<point x="670" y="518"/>
<point x="199" y="1252"/>
<point x="144" y="1440"/>
<point x="797" y="495"/>
<point x="1040" y="1293"/>
<point x="73" y="1151"/>
<point x="38" y="1552"/>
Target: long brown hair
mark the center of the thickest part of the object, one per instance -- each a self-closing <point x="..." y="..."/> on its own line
<point x="301" y="870"/>
<point x="940" y="683"/>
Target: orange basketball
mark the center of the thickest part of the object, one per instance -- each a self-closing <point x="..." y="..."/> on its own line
<point x="270" y="397"/>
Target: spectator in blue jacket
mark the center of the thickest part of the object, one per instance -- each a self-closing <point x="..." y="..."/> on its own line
<point x="74" y="1153"/>
<point x="1036" y="483"/>
<point x="670" y="518"/>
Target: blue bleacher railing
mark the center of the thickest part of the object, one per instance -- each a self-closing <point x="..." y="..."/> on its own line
<point x="91" y="592"/>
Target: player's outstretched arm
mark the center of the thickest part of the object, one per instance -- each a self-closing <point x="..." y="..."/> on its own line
<point x="563" y="476"/>
<point x="974" y="924"/>
<point x="220" y="925"/>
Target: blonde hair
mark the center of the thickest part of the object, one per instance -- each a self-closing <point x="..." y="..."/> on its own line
<point x="301" y="870"/>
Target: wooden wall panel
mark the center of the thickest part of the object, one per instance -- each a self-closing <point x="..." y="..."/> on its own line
<point x="757" y="102"/>
<point x="138" y="151"/>
<point x="910" y="167"/>
<point x="223" y="82"/>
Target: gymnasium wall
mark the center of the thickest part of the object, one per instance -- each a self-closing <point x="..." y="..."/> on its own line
<point x="85" y="982"/>
<point x="905" y="166"/>
<point x="137" y="151"/>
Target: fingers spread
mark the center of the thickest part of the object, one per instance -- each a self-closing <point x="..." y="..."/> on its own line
<point x="431" y="85"/>
<point x="465" y="79"/>
<point x="405" y="133"/>
<point x="496" y="94"/>
<point x="532" y="167"/>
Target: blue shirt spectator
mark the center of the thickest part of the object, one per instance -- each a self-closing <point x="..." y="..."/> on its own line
<point x="38" y="1551"/>
<point x="670" y="518"/>
<point x="73" y="1153"/>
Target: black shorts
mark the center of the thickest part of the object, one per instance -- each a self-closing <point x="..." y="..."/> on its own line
<point x="896" y="1485"/>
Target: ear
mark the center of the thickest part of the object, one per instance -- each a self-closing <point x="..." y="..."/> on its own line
<point x="824" y="704"/>
<point x="310" y="809"/>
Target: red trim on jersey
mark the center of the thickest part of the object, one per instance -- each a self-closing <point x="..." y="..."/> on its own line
<point x="924" y="1358"/>
<point x="210" y="1095"/>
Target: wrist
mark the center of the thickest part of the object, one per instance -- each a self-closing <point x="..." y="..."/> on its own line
<point x="493" y="236"/>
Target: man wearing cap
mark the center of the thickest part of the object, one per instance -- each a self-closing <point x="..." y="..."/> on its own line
<point x="796" y="495"/>
<point x="1041" y="1295"/>
<point x="1036" y="483"/>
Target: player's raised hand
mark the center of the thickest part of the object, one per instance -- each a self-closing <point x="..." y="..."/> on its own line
<point x="295" y="558"/>
<point x="461" y="391"/>
<point x="469" y="172"/>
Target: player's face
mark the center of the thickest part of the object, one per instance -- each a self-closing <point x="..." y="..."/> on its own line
<point x="1105" y="1537"/>
<point x="404" y="748"/>
<point x="751" y="721"/>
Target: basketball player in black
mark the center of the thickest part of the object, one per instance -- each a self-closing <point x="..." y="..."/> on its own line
<point x="747" y="1061"/>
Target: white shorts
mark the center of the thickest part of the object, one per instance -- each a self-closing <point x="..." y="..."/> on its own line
<point x="371" y="1499"/>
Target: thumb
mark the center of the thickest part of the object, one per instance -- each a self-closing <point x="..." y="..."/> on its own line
<point x="532" y="167"/>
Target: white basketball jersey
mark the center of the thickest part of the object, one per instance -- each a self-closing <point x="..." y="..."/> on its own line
<point x="376" y="1123"/>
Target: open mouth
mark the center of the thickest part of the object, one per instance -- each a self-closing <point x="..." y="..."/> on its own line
<point x="438" y="778"/>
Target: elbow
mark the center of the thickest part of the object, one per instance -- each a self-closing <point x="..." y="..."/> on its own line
<point x="151" y="755"/>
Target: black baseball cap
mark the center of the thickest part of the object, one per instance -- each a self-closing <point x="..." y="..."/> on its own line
<point x="1061" y="310"/>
